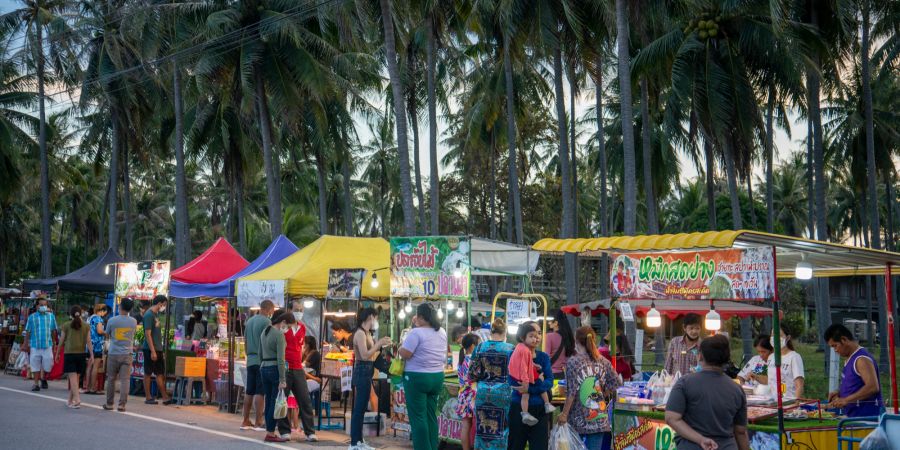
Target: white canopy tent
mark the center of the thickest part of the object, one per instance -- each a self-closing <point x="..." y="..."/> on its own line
<point x="495" y="258"/>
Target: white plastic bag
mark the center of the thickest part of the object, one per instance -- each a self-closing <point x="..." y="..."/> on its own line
<point x="563" y="437"/>
<point x="876" y="440"/>
<point x="280" y="405"/>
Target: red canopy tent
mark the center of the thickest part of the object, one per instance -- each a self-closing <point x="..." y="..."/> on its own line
<point x="674" y="309"/>
<point x="217" y="263"/>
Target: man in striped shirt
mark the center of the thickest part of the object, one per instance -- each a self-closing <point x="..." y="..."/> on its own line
<point x="39" y="343"/>
<point x="683" y="354"/>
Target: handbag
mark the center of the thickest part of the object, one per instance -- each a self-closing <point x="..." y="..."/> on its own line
<point x="382" y="364"/>
<point x="397" y="367"/>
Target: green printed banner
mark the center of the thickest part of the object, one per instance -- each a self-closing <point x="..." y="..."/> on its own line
<point x="728" y="274"/>
<point x="430" y="267"/>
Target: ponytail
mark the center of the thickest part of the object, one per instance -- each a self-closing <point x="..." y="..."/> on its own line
<point x="75" y="312"/>
<point x="585" y="337"/>
<point x="467" y="341"/>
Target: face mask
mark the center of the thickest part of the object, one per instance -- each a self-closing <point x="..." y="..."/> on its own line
<point x="783" y="342"/>
<point x="163" y="309"/>
<point x="298" y="315"/>
<point x="42" y="309"/>
<point x="375" y="326"/>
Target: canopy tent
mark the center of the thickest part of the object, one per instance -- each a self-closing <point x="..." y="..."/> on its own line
<point x="217" y="263"/>
<point x="828" y="259"/>
<point x="306" y="271"/>
<point x="494" y="258"/>
<point x="279" y="249"/>
<point x="93" y="277"/>
<point x="674" y="309"/>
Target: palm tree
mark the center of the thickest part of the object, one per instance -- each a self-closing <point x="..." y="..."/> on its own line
<point x="16" y="127"/>
<point x="624" y="73"/>
<point x="390" y="47"/>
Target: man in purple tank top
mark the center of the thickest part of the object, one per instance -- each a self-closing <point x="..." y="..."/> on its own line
<point x="860" y="391"/>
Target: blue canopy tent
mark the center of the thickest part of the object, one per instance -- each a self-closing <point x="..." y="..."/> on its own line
<point x="279" y="249"/>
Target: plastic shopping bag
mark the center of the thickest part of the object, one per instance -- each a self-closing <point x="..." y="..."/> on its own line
<point x="281" y="407"/>
<point x="563" y="437"/>
<point x="876" y="440"/>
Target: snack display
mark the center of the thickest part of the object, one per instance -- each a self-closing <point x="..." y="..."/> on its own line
<point x="755" y="413"/>
<point x="339" y="356"/>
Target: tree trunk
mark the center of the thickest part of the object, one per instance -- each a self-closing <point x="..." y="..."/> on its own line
<point x="434" y="178"/>
<point x="601" y="149"/>
<point x="126" y="200"/>
<point x="573" y="88"/>
<point x="649" y="194"/>
<point x="810" y="181"/>
<point x="567" y="229"/>
<point x="730" y="172"/>
<point x="323" y="194"/>
<point x="46" y="244"/>
<point x="874" y="220"/>
<point x="114" y="182"/>
<point x="273" y="193"/>
<point x="349" y="226"/>
<point x="753" y="222"/>
<point x="239" y="196"/>
<point x="390" y="47"/>
<point x="630" y="186"/>
<point x="712" y="218"/>
<point x="420" y="194"/>
<point x="511" y="142"/>
<point x="182" y="237"/>
<point x="493" y="213"/>
<point x="770" y="157"/>
<point x="889" y="189"/>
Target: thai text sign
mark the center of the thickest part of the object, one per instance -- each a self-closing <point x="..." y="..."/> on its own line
<point x="730" y="274"/>
<point x="142" y="280"/>
<point x="344" y="284"/>
<point x="430" y="267"/>
<point x="253" y="292"/>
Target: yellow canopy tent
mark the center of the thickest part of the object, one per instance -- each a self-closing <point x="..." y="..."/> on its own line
<point x="306" y="271"/>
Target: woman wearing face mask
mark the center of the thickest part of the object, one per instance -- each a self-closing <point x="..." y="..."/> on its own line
<point x="272" y="370"/>
<point x="425" y="353"/>
<point x="792" y="372"/>
<point x="588" y="414"/>
<point x="758" y="364"/>
<point x="365" y="350"/>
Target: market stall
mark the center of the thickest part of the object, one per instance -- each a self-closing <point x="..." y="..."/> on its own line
<point x="713" y="268"/>
<point x="440" y="269"/>
<point x="95" y="276"/>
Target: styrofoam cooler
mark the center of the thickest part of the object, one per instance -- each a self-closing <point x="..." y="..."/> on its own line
<point x="370" y="424"/>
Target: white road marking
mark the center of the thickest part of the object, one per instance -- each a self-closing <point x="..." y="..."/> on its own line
<point x="156" y="419"/>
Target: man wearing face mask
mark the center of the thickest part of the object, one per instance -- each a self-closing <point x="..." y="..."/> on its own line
<point x="154" y="358"/>
<point x="38" y="343"/>
<point x="683" y="354"/>
<point x="295" y="377"/>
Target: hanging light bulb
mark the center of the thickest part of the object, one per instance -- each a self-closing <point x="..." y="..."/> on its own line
<point x="374" y="282"/>
<point x="803" y="271"/>
<point x="440" y="314"/>
<point x="408" y="307"/>
<point x="308" y="303"/>
<point x="459" y="313"/>
<point x="451" y="306"/>
<point x="402" y="314"/>
<point x="713" y="320"/>
<point x="653" y="318"/>
<point x="106" y="270"/>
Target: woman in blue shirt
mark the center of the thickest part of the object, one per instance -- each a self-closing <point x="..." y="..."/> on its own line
<point x="536" y="436"/>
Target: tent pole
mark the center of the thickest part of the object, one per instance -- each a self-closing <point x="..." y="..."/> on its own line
<point x="392" y="317"/>
<point x="776" y="331"/>
<point x="612" y="332"/>
<point x="230" y="324"/>
<point x="888" y="288"/>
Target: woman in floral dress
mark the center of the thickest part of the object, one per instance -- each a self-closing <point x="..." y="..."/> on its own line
<point x="489" y="369"/>
<point x="465" y="406"/>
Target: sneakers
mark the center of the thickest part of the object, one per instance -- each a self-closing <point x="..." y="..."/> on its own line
<point x="270" y="438"/>
<point x="286" y="436"/>
<point x="44" y="384"/>
<point x="151" y="402"/>
<point x="35" y="388"/>
<point x="121" y="409"/>
<point x="107" y="407"/>
<point x="528" y="419"/>
<point x="549" y="408"/>
<point x="312" y="438"/>
<point x="170" y="401"/>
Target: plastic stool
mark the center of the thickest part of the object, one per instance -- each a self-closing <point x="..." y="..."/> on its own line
<point x="185" y="390"/>
<point x="326" y="406"/>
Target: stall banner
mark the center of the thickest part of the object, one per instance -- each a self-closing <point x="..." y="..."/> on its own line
<point x="517" y="311"/>
<point x="137" y="364"/>
<point x="345" y="284"/>
<point x="729" y="274"/>
<point x="253" y="292"/>
<point x="222" y="318"/>
<point x="638" y="433"/>
<point x="142" y="280"/>
<point x="346" y="378"/>
<point x="399" y="415"/>
<point x="430" y="267"/>
<point x="449" y="423"/>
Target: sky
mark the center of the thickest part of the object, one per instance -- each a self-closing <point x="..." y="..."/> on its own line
<point x="784" y="145"/>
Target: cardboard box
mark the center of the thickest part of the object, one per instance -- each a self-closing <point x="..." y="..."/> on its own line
<point x="190" y="367"/>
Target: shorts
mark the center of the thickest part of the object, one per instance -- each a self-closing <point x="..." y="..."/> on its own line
<point x="254" y="381"/>
<point x="40" y="359"/>
<point x="152" y="367"/>
<point x="75" y="363"/>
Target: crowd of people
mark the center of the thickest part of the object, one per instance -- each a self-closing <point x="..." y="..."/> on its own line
<point x="505" y="392"/>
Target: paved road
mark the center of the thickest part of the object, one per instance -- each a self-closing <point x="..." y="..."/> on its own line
<point x="40" y="420"/>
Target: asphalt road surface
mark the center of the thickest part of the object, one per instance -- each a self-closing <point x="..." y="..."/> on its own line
<point x="41" y="420"/>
